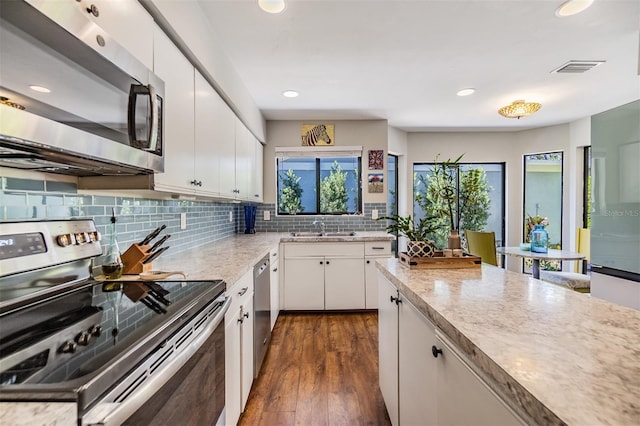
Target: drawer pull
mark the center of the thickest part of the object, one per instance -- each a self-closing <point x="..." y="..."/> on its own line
<point x="377" y="248"/>
<point x="275" y="269"/>
<point x="243" y="291"/>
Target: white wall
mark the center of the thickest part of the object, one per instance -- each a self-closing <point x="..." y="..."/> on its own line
<point x="370" y="134"/>
<point x="509" y="147"/>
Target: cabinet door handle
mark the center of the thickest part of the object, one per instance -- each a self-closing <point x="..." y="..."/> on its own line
<point x="327" y="262"/>
<point x="275" y="269"/>
<point x="397" y="300"/>
<point x="435" y="351"/>
<point x="243" y="291"/>
<point x="368" y="262"/>
<point x="246" y="315"/>
<point x="321" y="262"/>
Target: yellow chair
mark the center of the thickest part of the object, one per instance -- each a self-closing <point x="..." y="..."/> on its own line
<point x="574" y="280"/>
<point x="482" y="244"/>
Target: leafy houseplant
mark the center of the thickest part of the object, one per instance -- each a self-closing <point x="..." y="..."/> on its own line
<point x="419" y="234"/>
<point x="457" y="199"/>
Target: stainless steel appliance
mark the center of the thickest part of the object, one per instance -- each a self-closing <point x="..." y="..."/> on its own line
<point x="122" y="351"/>
<point x="104" y="112"/>
<point x="261" y="312"/>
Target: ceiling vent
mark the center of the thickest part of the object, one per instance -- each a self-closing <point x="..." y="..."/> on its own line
<point x="577" y="67"/>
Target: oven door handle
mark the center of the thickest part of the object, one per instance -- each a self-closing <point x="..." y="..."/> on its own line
<point x="115" y="413"/>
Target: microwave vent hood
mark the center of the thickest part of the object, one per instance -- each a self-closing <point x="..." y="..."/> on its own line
<point x="84" y="126"/>
<point x="51" y="147"/>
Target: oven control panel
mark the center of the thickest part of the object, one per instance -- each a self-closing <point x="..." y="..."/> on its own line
<point x="30" y="245"/>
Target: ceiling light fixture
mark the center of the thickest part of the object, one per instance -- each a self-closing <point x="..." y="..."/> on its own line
<point x="272" y="6"/>
<point x="40" y="89"/>
<point x="5" y="101"/>
<point x="290" y="94"/>
<point x="572" y="7"/>
<point x="519" y="109"/>
<point x="466" y="92"/>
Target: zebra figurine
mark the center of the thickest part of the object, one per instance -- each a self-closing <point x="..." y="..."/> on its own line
<point x="317" y="133"/>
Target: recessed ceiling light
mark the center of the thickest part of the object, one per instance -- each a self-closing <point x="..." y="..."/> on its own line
<point x="272" y="6"/>
<point x="40" y="89"/>
<point x="466" y="92"/>
<point x="290" y="94"/>
<point x="572" y="7"/>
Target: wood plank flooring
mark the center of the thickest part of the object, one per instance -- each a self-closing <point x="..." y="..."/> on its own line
<point x="321" y="369"/>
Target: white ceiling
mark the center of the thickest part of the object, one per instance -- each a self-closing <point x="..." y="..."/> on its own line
<point x="405" y="60"/>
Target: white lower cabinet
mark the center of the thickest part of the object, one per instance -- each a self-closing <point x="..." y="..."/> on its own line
<point x="373" y="250"/>
<point x="343" y="283"/>
<point x="304" y="284"/>
<point x="238" y="348"/>
<point x="422" y="389"/>
<point x="275" y="284"/>
<point x="319" y="276"/>
<point x="388" y="346"/>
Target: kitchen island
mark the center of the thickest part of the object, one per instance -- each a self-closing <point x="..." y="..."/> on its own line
<point x="554" y="355"/>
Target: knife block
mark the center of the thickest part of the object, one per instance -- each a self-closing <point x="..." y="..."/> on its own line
<point x="132" y="259"/>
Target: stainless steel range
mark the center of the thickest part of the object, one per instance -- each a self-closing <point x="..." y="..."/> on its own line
<point x="121" y="351"/>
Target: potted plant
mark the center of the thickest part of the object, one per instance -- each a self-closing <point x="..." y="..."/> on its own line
<point x="419" y="234"/>
<point x="454" y="198"/>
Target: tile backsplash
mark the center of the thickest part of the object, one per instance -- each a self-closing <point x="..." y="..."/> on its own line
<point x="27" y="199"/>
<point x="207" y="221"/>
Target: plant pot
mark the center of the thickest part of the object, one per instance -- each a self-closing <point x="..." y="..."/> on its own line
<point x="421" y="248"/>
<point x="454" y="240"/>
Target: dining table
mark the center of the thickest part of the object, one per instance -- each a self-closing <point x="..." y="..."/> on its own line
<point x="551" y="254"/>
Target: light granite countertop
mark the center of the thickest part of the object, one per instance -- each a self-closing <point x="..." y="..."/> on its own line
<point x="230" y="258"/>
<point x="560" y="356"/>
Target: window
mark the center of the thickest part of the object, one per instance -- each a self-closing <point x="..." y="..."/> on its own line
<point x="392" y="195"/>
<point x="484" y="213"/>
<point x="543" y="198"/>
<point x="326" y="182"/>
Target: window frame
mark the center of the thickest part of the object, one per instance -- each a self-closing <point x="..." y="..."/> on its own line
<point x="343" y="152"/>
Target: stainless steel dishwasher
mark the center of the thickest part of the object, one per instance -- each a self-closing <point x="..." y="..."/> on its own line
<point x="261" y="312"/>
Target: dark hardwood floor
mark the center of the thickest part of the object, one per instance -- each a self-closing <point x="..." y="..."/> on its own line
<point x="321" y="369"/>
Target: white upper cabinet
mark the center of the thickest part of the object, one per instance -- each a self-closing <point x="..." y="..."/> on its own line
<point x="258" y="167"/>
<point x="127" y="22"/>
<point x="177" y="72"/>
<point x="208" y="107"/>
<point x="244" y="152"/>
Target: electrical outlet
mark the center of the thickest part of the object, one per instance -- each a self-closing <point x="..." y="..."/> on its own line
<point x="267" y="215"/>
<point x="230" y="216"/>
<point x="183" y="221"/>
<point x="374" y="214"/>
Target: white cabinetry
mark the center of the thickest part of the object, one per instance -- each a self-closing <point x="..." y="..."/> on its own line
<point x="426" y="380"/>
<point x="245" y="151"/>
<point x="323" y="276"/>
<point x="275" y="284"/>
<point x="255" y="194"/>
<point x="238" y="347"/>
<point x="372" y="251"/>
<point x="208" y="108"/>
<point x="127" y="22"/>
<point x="459" y="385"/>
<point x="387" y="346"/>
<point x="304" y="283"/>
<point x="178" y="75"/>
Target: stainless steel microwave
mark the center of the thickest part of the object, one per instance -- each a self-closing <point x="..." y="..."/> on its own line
<point x="72" y="100"/>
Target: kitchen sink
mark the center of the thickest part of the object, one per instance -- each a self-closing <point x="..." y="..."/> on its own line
<point x="325" y="234"/>
<point x="339" y="234"/>
<point x="306" y="234"/>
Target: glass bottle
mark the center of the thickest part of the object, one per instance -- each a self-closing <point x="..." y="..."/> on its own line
<point x="539" y="239"/>
<point x="112" y="264"/>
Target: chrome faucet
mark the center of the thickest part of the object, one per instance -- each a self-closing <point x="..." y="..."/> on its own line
<point x="322" y="225"/>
